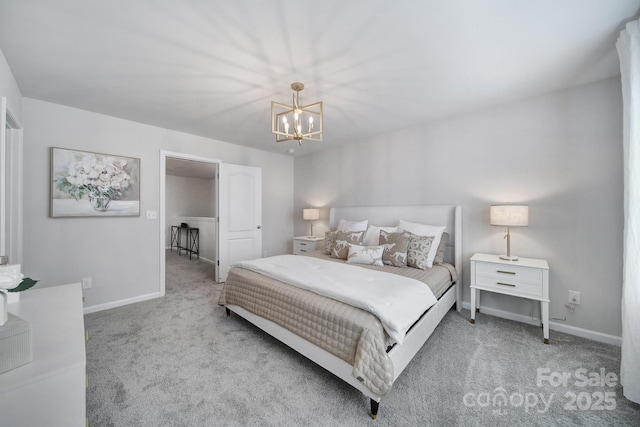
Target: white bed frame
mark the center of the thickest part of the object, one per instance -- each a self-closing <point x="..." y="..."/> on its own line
<point x="448" y="215"/>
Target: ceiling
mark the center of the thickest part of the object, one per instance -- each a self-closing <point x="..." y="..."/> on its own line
<point x="190" y="168"/>
<point x="212" y="67"/>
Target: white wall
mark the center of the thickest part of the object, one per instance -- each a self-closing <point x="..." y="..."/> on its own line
<point x="122" y="254"/>
<point x="560" y="153"/>
<point x="188" y="196"/>
<point x="9" y="89"/>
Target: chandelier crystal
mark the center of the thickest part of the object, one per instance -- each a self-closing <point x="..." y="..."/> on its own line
<point x="296" y="122"/>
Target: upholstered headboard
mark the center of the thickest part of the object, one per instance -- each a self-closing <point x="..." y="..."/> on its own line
<point x="448" y="215"/>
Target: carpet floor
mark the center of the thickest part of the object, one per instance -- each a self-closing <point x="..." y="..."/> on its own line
<point x="179" y="361"/>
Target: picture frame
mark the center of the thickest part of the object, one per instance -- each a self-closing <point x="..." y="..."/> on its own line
<point x="90" y="184"/>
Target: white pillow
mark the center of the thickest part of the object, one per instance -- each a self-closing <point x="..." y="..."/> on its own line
<point x="425" y="230"/>
<point x="372" y="236"/>
<point x="369" y="255"/>
<point x="345" y="225"/>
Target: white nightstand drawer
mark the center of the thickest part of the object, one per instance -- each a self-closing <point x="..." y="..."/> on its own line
<point x="302" y="245"/>
<point x="509" y="273"/>
<point x="509" y="285"/>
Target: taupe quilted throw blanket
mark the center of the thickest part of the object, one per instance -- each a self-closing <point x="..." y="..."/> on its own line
<point x="350" y="333"/>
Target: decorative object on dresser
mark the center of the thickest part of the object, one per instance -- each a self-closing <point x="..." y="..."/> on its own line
<point x="15" y="344"/>
<point x="10" y="278"/>
<point x="528" y="279"/>
<point x="15" y="333"/>
<point x="12" y="281"/>
<point x="289" y="122"/>
<point x="311" y="214"/>
<point x="305" y="244"/>
<point x="509" y="216"/>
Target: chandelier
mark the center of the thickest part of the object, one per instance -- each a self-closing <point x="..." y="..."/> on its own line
<point x="297" y="122"/>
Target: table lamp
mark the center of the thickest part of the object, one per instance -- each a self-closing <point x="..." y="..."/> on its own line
<point x="311" y="214"/>
<point x="509" y="216"/>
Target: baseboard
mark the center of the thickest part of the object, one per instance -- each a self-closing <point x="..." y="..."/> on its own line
<point x="554" y="326"/>
<point x="207" y="260"/>
<point x="201" y="257"/>
<point x="586" y="333"/>
<point x="506" y="314"/>
<point x="120" y="303"/>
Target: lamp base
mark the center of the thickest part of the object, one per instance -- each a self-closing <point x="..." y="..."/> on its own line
<point x="509" y="257"/>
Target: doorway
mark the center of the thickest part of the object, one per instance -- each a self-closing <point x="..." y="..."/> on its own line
<point x="188" y="194"/>
<point x="10" y="186"/>
<point x="238" y="230"/>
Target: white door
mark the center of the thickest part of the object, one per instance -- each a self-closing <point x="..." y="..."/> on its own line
<point x="240" y="216"/>
<point x="10" y="186"/>
<point x="3" y="178"/>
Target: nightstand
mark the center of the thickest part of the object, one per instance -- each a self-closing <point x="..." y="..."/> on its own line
<point x="526" y="278"/>
<point x="304" y="244"/>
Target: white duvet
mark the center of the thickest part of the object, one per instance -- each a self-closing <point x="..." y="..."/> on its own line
<point x="396" y="300"/>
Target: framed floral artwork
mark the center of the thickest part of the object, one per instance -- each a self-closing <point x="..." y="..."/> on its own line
<point x="93" y="184"/>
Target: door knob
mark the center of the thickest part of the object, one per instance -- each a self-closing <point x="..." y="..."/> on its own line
<point x="259" y="227"/>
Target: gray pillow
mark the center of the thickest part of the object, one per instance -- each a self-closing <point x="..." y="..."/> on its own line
<point x="395" y="248"/>
<point x="439" y="259"/>
<point x="343" y="240"/>
<point x="418" y="251"/>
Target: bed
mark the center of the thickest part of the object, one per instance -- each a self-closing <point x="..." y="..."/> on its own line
<point x="353" y="344"/>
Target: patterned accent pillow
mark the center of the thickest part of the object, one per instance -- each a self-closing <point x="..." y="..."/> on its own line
<point x="343" y="240"/>
<point x="439" y="259"/>
<point x="369" y="255"/>
<point x="395" y="248"/>
<point x="329" y="242"/>
<point x="418" y="251"/>
<point x="424" y="230"/>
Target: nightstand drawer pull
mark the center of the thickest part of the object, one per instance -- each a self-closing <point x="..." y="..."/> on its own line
<point x="506" y="284"/>
<point x="506" y="272"/>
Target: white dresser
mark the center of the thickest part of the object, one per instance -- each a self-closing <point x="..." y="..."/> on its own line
<point x="304" y="244"/>
<point x="526" y="278"/>
<point x="51" y="390"/>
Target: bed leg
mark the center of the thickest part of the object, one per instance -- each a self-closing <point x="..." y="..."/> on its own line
<point x="374" y="409"/>
<point x="228" y="311"/>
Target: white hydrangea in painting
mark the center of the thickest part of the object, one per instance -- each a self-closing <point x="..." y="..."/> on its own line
<point x="98" y="178"/>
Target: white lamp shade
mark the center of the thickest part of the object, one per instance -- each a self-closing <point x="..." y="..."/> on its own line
<point x="510" y="215"/>
<point x="311" y="214"/>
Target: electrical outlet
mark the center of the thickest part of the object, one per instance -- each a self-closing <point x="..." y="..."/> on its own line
<point x="152" y="214"/>
<point x="574" y="297"/>
<point x="86" y="282"/>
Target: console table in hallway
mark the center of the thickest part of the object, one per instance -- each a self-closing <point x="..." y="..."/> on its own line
<point x="192" y="237"/>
